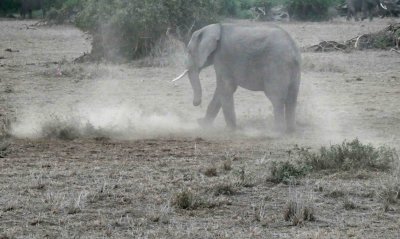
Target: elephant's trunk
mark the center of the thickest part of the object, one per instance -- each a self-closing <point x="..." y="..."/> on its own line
<point x="195" y="82"/>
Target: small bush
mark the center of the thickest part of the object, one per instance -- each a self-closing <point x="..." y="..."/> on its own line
<point x="224" y="189"/>
<point x="227" y="165"/>
<point x="184" y="200"/>
<point x="349" y="205"/>
<point x="286" y="172"/>
<point x="349" y="156"/>
<point x="298" y="213"/>
<point x="189" y="200"/>
<point x="211" y="172"/>
<point x="4" y="146"/>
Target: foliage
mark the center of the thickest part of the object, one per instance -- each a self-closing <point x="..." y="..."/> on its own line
<point x="8" y="6"/>
<point x="349" y="156"/>
<point x="287" y="171"/>
<point x="129" y="29"/>
<point x="314" y="10"/>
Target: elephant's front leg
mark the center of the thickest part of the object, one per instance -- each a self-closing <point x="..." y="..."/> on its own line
<point x="212" y="111"/>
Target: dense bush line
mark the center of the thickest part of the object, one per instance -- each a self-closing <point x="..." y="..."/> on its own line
<point x="131" y="28"/>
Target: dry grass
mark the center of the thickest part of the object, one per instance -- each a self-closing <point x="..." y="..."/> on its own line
<point x="103" y="187"/>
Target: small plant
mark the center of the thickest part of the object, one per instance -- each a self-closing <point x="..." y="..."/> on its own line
<point x="4" y="146"/>
<point x="211" y="172"/>
<point x="286" y="172"/>
<point x="297" y="213"/>
<point x="245" y="179"/>
<point x="224" y="189"/>
<point x="57" y="128"/>
<point x="349" y="205"/>
<point x="185" y="200"/>
<point x="227" y="165"/>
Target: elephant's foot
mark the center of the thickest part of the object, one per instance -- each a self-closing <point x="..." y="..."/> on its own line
<point x="204" y="122"/>
<point x="279" y="128"/>
<point x="290" y="129"/>
<point x="231" y="127"/>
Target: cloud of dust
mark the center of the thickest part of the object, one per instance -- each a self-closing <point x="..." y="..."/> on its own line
<point x="315" y="114"/>
<point x="117" y="121"/>
<point x="103" y="106"/>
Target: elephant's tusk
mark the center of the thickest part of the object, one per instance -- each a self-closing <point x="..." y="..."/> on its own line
<point x="357" y="43"/>
<point x="383" y="6"/>
<point x="180" y="76"/>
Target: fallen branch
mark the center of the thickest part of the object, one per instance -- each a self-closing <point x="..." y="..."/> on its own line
<point x="397" y="51"/>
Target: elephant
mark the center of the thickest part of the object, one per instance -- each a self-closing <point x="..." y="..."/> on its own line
<point x="367" y="7"/>
<point x="255" y="57"/>
<point x="27" y="6"/>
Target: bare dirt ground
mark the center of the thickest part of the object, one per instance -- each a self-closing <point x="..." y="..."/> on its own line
<point x="138" y="143"/>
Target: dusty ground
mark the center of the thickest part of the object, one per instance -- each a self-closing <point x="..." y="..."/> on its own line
<point x="148" y="148"/>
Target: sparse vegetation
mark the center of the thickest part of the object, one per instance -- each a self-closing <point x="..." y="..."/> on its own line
<point x="227" y="165"/>
<point x="298" y="213"/>
<point x="349" y="204"/>
<point x="107" y="187"/>
<point x="224" y="189"/>
<point x="347" y="156"/>
<point x="185" y="199"/>
<point x="287" y="171"/>
<point x="211" y="172"/>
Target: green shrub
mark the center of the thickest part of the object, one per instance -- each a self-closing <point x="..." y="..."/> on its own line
<point x="8" y="6"/>
<point x="129" y="29"/>
<point x="229" y="8"/>
<point x="287" y="171"/>
<point x="349" y="156"/>
<point x="314" y="10"/>
<point x="309" y="9"/>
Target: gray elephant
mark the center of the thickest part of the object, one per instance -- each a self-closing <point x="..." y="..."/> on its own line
<point x="367" y="7"/>
<point x="27" y="6"/>
<point x="255" y="57"/>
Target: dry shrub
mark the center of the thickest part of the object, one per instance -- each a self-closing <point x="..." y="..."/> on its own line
<point x="70" y="128"/>
<point x="211" y="172"/>
<point x="389" y="37"/>
<point x="185" y="199"/>
<point x="227" y="165"/>
<point x="349" y="204"/>
<point x="168" y="51"/>
<point x="298" y="213"/>
<point x="224" y="189"/>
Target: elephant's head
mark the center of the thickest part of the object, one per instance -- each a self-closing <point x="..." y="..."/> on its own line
<point x="200" y="47"/>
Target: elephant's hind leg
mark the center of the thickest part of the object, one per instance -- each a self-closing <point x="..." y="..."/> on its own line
<point x="225" y="90"/>
<point x="278" y="104"/>
<point x="290" y="107"/>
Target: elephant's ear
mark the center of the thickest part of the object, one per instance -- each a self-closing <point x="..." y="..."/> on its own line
<point x="205" y="41"/>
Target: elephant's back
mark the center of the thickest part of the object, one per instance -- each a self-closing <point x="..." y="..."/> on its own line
<point x="258" y="41"/>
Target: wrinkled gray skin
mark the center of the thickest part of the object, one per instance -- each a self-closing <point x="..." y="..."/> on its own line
<point x="367" y="7"/>
<point x="27" y="6"/>
<point x="258" y="58"/>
